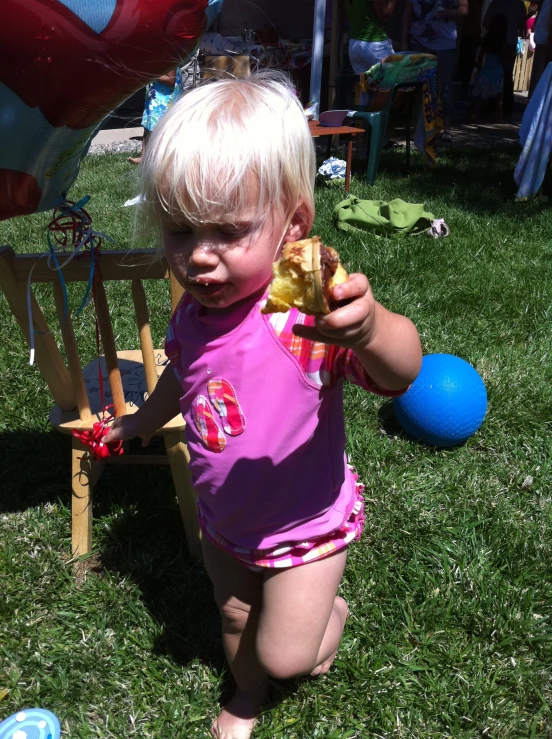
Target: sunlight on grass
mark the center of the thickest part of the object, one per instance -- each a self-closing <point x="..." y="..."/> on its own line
<point x="450" y="588"/>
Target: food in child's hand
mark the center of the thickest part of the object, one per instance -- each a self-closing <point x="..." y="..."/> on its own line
<point x="304" y="278"/>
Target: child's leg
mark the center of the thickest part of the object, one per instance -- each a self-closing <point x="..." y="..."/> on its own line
<point x="302" y="620"/>
<point x="238" y="594"/>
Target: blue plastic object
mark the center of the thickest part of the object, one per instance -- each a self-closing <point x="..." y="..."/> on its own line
<point x="31" y="723"/>
<point x="446" y="403"/>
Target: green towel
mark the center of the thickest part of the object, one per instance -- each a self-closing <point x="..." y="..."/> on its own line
<point x="381" y="218"/>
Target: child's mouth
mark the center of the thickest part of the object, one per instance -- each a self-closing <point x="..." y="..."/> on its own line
<point x="208" y="289"/>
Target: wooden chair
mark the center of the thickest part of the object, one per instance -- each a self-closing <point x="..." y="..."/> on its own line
<point x="129" y="375"/>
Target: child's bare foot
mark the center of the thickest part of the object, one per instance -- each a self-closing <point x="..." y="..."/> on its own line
<point x="343" y="609"/>
<point x="237" y="718"/>
<point x="135" y="160"/>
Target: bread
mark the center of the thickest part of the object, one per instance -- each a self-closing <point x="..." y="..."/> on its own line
<point x="304" y="277"/>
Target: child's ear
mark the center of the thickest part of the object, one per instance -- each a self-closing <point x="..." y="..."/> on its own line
<point x="300" y="224"/>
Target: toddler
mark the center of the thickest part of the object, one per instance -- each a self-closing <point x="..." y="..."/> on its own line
<point x="229" y="178"/>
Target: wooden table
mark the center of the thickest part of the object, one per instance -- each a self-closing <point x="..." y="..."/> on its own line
<point x="349" y="131"/>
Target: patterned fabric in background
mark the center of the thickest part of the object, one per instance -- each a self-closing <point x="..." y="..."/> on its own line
<point x="332" y="169"/>
<point x="399" y="69"/>
<point x="159" y="98"/>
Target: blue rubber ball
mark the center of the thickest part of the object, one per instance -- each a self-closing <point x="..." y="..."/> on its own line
<point x="446" y="403"/>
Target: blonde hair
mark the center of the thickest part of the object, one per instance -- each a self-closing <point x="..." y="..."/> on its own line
<point x="227" y="147"/>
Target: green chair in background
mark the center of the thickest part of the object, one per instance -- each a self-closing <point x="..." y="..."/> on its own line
<point x="399" y="72"/>
<point x="375" y="122"/>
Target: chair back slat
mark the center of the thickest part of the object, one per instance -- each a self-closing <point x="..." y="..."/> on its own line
<point x="108" y="345"/>
<point x="73" y="357"/>
<point x="146" y="344"/>
<point x="47" y="354"/>
<point x="68" y="384"/>
<point x="116" y="264"/>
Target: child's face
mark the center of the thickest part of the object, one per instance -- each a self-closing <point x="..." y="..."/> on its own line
<point x="220" y="264"/>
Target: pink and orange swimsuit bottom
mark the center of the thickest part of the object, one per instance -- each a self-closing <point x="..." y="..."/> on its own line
<point x="294" y="555"/>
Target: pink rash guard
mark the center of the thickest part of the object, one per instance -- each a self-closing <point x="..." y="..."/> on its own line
<point x="265" y="427"/>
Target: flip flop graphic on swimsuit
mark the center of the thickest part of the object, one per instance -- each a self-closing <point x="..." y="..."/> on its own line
<point x="223" y="397"/>
<point x="207" y="427"/>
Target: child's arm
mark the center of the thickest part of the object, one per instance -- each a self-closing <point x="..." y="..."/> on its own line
<point x="458" y="12"/>
<point x="162" y="405"/>
<point x="384" y="9"/>
<point x="387" y="344"/>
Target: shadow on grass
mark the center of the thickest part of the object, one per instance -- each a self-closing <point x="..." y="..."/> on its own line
<point x="36" y="469"/>
<point x="475" y="180"/>
<point x="138" y="536"/>
<point x="390" y="425"/>
<point x="146" y="543"/>
<point x="388" y="420"/>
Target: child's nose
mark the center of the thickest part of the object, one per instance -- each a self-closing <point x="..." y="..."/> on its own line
<point x="203" y="255"/>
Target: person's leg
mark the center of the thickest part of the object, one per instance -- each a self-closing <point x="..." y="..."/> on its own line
<point x="137" y="160"/>
<point x="475" y="109"/>
<point x="302" y="619"/>
<point x="499" y="109"/>
<point x="508" y="66"/>
<point x="238" y="594"/>
<point x="445" y="60"/>
<point x="466" y="63"/>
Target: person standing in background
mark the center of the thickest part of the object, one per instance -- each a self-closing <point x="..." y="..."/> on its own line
<point x="160" y="95"/>
<point x="430" y="28"/>
<point x="531" y="19"/>
<point x="516" y="18"/>
<point x="469" y="44"/>
<point x="369" y="42"/>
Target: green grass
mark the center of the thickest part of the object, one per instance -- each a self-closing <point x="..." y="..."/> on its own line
<point x="450" y="588"/>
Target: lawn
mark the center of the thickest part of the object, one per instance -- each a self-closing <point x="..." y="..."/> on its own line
<point x="450" y="588"/>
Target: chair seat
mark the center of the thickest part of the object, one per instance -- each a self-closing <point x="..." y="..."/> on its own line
<point x="134" y="386"/>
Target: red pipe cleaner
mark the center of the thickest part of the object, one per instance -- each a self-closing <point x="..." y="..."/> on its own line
<point x="93" y="438"/>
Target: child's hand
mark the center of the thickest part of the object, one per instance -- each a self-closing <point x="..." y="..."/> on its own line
<point x="350" y="325"/>
<point x="123" y="428"/>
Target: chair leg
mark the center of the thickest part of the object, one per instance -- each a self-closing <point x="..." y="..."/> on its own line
<point x="411" y="120"/>
<point x="177" y="453"/>
<point x="377" y="135"/>
<point x="81" y="505"/>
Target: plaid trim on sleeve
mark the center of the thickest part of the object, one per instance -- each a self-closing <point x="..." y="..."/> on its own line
<point x="323" y="364"/>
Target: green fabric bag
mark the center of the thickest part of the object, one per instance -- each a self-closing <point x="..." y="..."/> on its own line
<point x="394" y="218"/>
